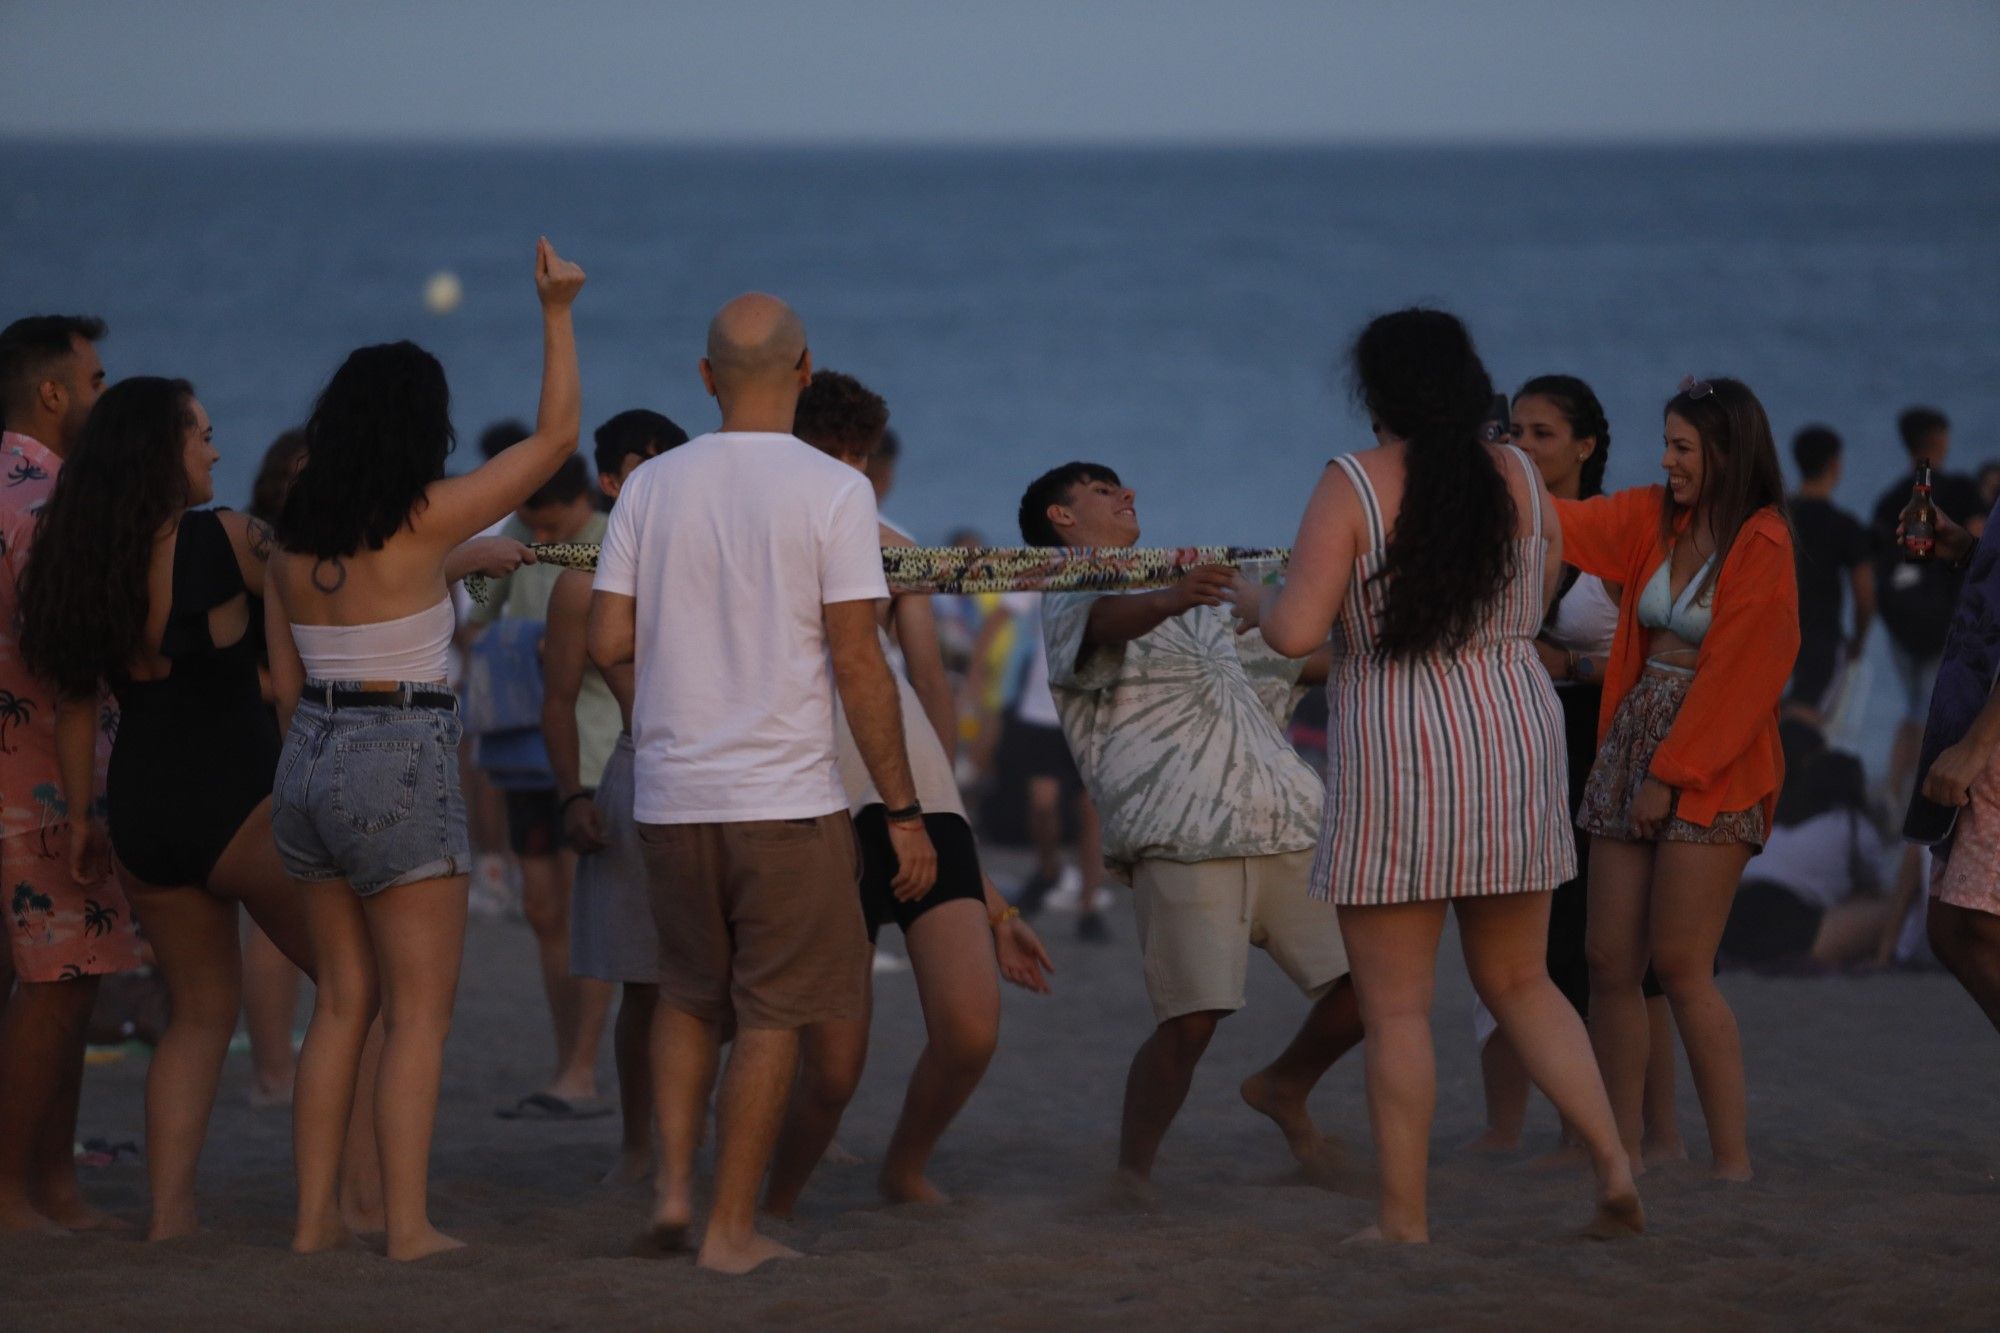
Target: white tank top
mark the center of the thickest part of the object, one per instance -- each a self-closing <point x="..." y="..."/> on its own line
<point x="930" y="770"/>
<point x="414" y="648"/>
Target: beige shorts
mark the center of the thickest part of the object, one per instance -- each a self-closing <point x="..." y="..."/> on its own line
<point x="762" y="919"/>
<point x="1197" y="921"/>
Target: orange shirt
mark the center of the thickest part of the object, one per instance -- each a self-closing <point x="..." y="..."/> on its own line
<point x="1722" y="753"/>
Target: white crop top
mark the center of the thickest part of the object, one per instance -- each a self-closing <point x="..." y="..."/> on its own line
<point x="414" y="648"/>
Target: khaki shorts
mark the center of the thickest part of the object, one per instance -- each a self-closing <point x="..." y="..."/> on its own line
<point x="761" y="918"/>
<point x="1197" y="921"/>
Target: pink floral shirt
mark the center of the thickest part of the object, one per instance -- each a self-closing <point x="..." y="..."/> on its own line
<point x="30" y="786"/>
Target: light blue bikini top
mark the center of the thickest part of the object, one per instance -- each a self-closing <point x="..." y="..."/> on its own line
<point x="1687" y="618"/>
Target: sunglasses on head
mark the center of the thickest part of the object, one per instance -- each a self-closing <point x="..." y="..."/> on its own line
<point x="1694" y="389"/>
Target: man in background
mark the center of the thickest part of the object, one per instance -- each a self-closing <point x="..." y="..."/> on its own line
<point x="1833" y="553"/>
<point x="62" y="937"/>
<point x="1916" y="598"/>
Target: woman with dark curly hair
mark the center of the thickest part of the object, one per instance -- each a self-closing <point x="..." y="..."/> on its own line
<point x="1689" y="762"/>
<point x="132" y="585"/>
<point x="1436" y="555"/>
<point x="369" y="816"/>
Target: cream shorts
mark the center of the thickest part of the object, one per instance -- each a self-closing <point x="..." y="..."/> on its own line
<point x="1197" y="921"/>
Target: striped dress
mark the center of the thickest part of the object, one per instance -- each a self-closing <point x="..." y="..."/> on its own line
<point x="1445" y="775"/>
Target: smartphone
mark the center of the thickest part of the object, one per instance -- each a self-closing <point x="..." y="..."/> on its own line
<point x="1499" y="426"/>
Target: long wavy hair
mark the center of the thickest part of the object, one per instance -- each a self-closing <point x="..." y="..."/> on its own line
<point x="377" y="438"/>
<point x="1740" y="472"/>
<point x="85" y="592"/>
<point x="1452" y="550"/>
<point x="1585" y="417"/>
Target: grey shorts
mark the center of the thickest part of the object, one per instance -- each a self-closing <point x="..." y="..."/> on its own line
<point x="370" y="795"/>
<point x="611" y="932"/>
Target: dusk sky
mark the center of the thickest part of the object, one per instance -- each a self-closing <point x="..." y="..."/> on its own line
<point x="1034" y="70"/>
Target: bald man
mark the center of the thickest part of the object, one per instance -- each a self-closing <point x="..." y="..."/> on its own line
<point x="734" y="570"/>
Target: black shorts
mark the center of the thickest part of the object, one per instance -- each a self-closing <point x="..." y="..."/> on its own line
<point x="1814" y="672"/>
<point x="534" y="822"/>
<point x="957" y="869"/>
<point x="1031" y="750"/>
<point x="1770" y="924"/>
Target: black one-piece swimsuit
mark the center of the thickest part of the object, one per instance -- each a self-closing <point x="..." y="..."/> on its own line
<point x="196" y="752"/>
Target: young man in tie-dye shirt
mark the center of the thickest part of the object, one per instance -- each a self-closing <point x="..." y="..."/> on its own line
<point x="1178" y="727"/>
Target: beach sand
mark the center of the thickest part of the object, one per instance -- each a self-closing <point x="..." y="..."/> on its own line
<point x="1875" y="1117"/>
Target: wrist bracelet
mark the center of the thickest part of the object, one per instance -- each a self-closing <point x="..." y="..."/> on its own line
<point x="1002" y="918"/>
<point x="914" y="810"/>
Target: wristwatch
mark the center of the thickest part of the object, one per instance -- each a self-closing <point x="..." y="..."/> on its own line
<point x="906" y="814"/>
<point x="1583" y="669"/>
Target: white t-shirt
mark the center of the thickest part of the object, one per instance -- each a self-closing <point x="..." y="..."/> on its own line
<point x="1035" y="704"/>
<point x="731" y="545"/>
<point x="1818" y="859"/>
<point x="1586" y="619"/>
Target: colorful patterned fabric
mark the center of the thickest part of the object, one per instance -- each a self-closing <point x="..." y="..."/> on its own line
<point x="1180" y="738"/>
<point x="954" y="569"/>
<point x="1445" y="774"/>
<point x="58" y="928"/>
<point x="1625" y="760"/>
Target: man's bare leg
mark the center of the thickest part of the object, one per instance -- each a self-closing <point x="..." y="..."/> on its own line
<point x="1157" y="1085"/>
<point x="45" y="1021"/>
<point x="577" y="1006"/>
<point x="631" y="1051"/>
<point x="832" y="1055"/>
<point x="685" y="1051"/>
<point x="57" y="1193"/>
<point x="1279" y="1090"/>
<point x="1967" y="942"/>
<point x="755" y="1090"/>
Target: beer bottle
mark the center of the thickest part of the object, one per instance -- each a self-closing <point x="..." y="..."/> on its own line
<point x="1919" y="518"/>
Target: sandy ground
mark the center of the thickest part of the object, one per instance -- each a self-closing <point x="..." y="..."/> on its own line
<point x="1876" y="1108"/>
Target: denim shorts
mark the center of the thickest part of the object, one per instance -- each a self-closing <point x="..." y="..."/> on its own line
<point x="370" y="794"/>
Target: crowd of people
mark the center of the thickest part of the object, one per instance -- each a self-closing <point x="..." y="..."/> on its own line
<point x="1589" y="725"/>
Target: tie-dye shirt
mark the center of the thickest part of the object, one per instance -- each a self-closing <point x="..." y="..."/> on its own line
<point x="1180" y="737"/>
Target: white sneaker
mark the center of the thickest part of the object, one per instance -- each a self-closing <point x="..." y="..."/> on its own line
<point x="889" y="962"/>
<point x="1067" y="895"/>
<point x="494" y="891"/>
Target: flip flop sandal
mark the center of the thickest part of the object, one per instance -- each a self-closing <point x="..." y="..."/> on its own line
<point x="548" y="1106"/>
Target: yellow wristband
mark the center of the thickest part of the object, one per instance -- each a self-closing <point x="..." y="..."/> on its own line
<point x="1004" y="917"/>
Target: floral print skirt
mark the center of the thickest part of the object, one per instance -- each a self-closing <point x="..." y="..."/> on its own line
<point x="1644" y="718"/>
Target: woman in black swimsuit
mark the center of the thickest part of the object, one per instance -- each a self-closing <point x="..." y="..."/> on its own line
<point x="131" y="586"/>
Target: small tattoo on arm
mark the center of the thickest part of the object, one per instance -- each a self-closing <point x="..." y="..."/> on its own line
<point x="260" y="540"/>
<point x="329" y="576"/>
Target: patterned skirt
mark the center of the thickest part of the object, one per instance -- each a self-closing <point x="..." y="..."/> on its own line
<point x="1644" y="718"/>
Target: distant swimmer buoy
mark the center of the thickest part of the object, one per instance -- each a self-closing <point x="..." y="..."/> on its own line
<point x="442" y="293"/>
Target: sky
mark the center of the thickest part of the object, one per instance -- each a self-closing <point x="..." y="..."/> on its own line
<point x="953" y="71"/>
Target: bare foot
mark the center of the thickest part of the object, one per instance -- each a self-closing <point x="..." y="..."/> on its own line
<point x="1736" y="1173"/>
<point x="1562" y="1157"/>
<point x="172" y="1223"/>
<point x="910" y="1189"/>
<point x="1494" y="1143"/>
<point x="269" y="1096"/>
<point x="1379" y="1235"/>
<point x="737" y="1257"/>
<point x="321" y="1237"/>
<point x="19" y="1219"/>
<point x="673" y="1218"/>
<point x="1286" y="1106"/>
<point x="1127" y="1190"/>
<point x="1619" y="1217"/>
<point x="633" y="1168"/>
<point x="77" y="1215"/>
<point x="1663" y="1153"/>
<point x="835" y="1155"/>
<point x="423" y="1245"/>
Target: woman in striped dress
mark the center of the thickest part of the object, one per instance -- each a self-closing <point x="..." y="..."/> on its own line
<point x="1432" y="559"/>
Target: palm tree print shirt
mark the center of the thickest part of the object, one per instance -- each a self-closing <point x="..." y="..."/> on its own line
<point x="1180" y="738"/>
<point x="30" y="789"/>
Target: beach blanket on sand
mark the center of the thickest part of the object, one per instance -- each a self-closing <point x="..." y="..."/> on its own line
<point x="1964" y="681"/>
<point x="953" y="569"/>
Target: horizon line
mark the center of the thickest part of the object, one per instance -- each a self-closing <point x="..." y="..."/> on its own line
<point x="1077" y="143"/>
